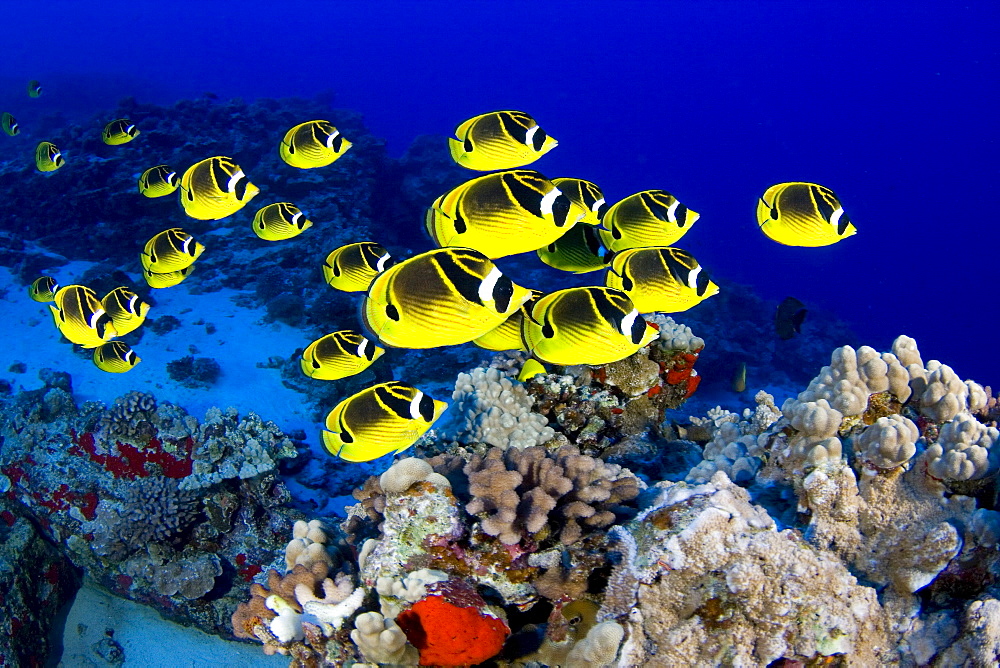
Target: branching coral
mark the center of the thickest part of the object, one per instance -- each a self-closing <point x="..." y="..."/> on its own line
<point x="154" y="510"/>
<point x="290" y="616"/>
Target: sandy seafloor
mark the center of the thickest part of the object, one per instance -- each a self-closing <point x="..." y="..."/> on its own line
<point x="240" y="341"/>
<point x="143" y="638"/>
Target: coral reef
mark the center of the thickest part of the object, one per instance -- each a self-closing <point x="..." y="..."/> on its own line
<point x="857" y="548"/>
<point x="36" y="581"/>
<point x="152" y="504"/>
<point x="196" y="372"/>
<point x="532" y="493"/>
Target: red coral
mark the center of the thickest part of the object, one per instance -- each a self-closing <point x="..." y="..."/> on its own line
<point x="246" y="571"/>
<point x="680" y="371"/>
<point x="451" y="628"/>
<point x="131" y="461"/>
<point x="8" y="518"/>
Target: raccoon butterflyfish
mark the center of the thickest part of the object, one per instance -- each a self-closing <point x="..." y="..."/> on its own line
<point x="312" y="144"/>
<point x="79" y="316"/>
<point x="507" y="335"/>
<point x="803" y="214"/>
<point x="48" y="158"/>
<point x="279" y="221"/>
<point x="126" y="309"/>
<point x="166" y="279"/>
<point x="740" y="378"/>
<point x="115" y="357"/>
<point x="158" y="181"/>
<point x="215" y="188"/>
<point x="9" y="125"/>
<point x="339" y="355"/>
<point x="43" y="289"/>
<point x="579" y="250"/>
<point x="531" y="368"/>
<point x="388" y="417"/>
<point x="587" y="325"/>
<point x="169" y="251"/>
<point x="660" y="279"/>
<point x="34" y="88"/>
<point x="120" y="131"/>
<point x="502" y="214"/>
<point x="439" y="298"/>
<point x="499" y="140"/>
<point x="353" y="267"/>
<point x="587" y="196"/>
<point x="788" y="318"/>
<point x="647" y="218"/>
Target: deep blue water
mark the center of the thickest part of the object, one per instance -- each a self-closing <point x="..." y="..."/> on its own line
<point x="893" y="105"/>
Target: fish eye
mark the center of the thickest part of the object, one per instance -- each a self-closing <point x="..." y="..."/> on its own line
<point x="337" y="143"/>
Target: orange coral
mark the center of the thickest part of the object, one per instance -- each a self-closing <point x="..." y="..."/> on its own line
<point x="451" y="628"/>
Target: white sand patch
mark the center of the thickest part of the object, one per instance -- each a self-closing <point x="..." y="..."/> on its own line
<point x="240" y="341"/>
<point x="146" y="639"/>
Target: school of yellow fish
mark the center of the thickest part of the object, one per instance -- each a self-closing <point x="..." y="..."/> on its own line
<point x="452" y="294"/>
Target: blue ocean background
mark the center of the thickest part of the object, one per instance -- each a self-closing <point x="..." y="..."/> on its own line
<point x="891" y="104"/>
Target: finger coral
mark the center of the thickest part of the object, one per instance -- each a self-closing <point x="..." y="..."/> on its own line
<point x="520" y="493"/>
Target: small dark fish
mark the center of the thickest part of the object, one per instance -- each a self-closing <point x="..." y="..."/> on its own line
<point x="34" y="88"/>
<point x="789" y="317"/>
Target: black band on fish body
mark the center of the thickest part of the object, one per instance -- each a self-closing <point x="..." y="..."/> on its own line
<point x="527" y="198"/>
<point x="823" y="204"/>
<point x="605" y="306"/>
<point x="392" y="401"/>
<point x="656" y="208"/>
<point x="220" y="175"/>
<point x="461" y="279"/>
<point x="513" y="128"/>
